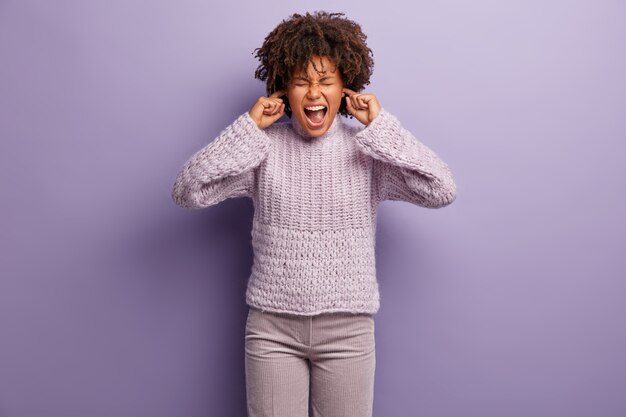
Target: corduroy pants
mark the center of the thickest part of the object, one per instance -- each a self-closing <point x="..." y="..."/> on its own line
<point x="332" y="354"/>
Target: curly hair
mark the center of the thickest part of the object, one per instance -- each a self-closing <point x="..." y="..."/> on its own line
<point x="291" y="45"/>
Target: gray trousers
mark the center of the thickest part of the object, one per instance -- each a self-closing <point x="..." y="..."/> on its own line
<point x="332" y="354"/>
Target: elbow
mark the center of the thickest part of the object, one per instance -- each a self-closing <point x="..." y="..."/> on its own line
<point x="431" y="191"/>
<point x="189" y="192"/>
<point x="197" y="196"/>
<point x="445" y="198"/>
<point x="446" y="192"/>
<point x="184" y="197"/>
<point x="443" y="195"/>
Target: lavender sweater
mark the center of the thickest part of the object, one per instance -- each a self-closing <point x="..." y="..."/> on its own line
<point x="315" y="200"/>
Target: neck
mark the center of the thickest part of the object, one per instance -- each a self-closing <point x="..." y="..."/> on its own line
<point x="332" y="130"/>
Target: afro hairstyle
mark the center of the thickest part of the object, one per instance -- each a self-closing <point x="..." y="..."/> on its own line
<point x="291" y="45"/>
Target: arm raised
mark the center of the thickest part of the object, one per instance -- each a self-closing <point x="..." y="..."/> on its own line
<point x="224" y="168"/>
<point x="404" y="168"/>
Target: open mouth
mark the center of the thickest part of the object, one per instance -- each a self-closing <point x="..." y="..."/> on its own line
<point x="316" y="115"/>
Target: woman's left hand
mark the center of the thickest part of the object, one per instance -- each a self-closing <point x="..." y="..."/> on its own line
<point x="364" y="106"/>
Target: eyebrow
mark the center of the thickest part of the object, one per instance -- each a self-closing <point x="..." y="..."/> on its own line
<point x="326" y="77"/>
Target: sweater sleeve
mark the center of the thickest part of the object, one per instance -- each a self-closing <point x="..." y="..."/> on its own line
<point x="403" y="167"/>
<point x="224" y="168"/>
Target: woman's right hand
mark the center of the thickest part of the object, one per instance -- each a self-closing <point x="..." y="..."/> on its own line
<point x="267" y="110"/>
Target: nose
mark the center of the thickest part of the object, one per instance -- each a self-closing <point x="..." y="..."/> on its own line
<point x="314" y="91"/>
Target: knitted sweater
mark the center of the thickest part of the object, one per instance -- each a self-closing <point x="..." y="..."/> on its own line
<point x="315" y="202"/>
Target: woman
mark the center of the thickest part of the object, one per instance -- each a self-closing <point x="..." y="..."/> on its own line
<point x="315" y="183"/>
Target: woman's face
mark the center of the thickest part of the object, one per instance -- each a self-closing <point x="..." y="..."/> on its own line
<point x="309" y="91"/>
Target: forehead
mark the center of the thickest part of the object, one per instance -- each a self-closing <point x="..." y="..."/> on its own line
<point x="325" y="68"/>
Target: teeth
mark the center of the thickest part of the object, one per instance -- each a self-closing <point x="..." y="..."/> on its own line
<point x="315" y="108"/>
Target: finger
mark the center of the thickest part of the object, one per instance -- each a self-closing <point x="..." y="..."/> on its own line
<point x="357" y="102"/>
<point x="350" y="107"/>
<point x="278" y="93"/>
<point x="278" y="109"/>
<point x="279" y="112"/>
<point x="278" y="101"/>
<point x="352" y="100"/>
<point x="271" y="100"/>
<point x="348" y="91"/>
<point x="269" y="107"/>
<point x="362" y="99"/>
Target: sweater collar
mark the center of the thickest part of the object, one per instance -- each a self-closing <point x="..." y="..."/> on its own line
<point x="332" y="130"/>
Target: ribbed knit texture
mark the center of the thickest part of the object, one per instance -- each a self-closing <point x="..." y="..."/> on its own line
<point x="315" y="201"/>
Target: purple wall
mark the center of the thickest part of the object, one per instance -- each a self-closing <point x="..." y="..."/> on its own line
<point x="116" y="302"/>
